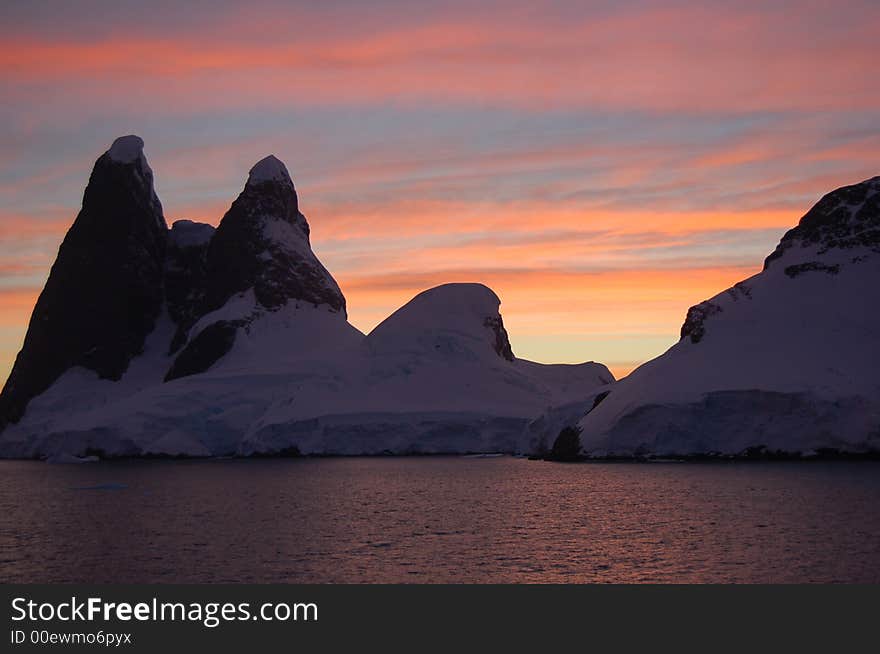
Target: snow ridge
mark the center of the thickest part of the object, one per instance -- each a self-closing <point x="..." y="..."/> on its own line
<point x="447" y="320"/>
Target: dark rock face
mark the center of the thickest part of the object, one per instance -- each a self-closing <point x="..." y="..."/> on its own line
<point x="694" y="323"/>
<point x="567" y="446"/>
<point x="811" y="266"/>
<point x="845" y="218"/>
<point x="502" y="342"/>
<point x="263" y="243"/>
<point x="186" y="276"/>
<point x="598" y="400"/>
<point x="739" y="291"/>
<point x="105" y="289"/>
<point x="205" y="349"/>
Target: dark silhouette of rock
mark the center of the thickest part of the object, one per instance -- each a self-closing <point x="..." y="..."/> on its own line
<point x="567" y="446"/>
<point x="598" y="400"/>
<point x="847" y="217"/>
<point x="811" y="266"/>
<point x="696" y="317"/>
<point x="502" y="342"/>
<point x="208" y="346"/>
<point x="261" y="245"/>
<point x="186" y="276"/>
<point x="105" y="288"/>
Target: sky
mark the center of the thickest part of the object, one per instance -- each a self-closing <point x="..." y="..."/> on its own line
<point x="602" y="166"/>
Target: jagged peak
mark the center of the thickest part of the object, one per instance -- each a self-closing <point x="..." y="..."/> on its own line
<point x="126" y="156"/>
<point x="844" y="219"/>
<point x="262" y="242"/>
<point x="269" y="169"/>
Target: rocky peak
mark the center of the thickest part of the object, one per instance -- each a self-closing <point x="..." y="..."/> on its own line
<point x="262" y="243"/>
<point x="269" y="169"/>
<point x="261" y="249"/>
<point x="105" y="288"/>
<point x="842" y="228"/>
<point x="845" y="219"/>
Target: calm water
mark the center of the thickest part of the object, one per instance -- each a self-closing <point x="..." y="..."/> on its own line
<point x="438" y="520"/>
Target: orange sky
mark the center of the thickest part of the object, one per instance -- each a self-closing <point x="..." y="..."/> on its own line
<point x="601" y="165"/>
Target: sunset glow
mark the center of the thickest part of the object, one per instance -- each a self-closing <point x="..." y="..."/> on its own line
<point x="602" y="166"/>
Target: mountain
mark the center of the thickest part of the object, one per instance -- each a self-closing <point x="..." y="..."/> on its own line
<point x="452" y="321"/>
<point x="235" y="340"/>
<point x="258" y="260"/>
<point x="437" y="376"/>
<point x="782" y="362"/>
<point x="105" y="291"/>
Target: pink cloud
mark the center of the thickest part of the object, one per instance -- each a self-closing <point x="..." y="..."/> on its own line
<point x="662" y="59"/>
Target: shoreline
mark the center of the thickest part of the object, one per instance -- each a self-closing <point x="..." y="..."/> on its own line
<point x="753" y="457"/>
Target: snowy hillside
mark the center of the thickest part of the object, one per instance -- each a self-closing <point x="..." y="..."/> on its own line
<point x="436" y="376"/>
<point x="785" y="360"/>
<point x="243" y="346"/>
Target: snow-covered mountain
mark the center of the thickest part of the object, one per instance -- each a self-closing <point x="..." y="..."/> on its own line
<point x="104" y="294"/>
<point x="194" y="341"/>
<point x="784" y="361"/>
<point x="258" y="260"/>
<point x="436" y="376"/>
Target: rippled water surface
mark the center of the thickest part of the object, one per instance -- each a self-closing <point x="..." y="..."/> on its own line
<point x="438" y="520"/>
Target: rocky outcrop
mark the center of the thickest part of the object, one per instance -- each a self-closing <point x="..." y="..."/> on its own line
<point x="105" y="290"/>
<point x="261" y="247"/>
<point x="186" y="276"/>
<point x="846" y="218"/>
<point x="262" y="243"/>
<point x="694" y="322"/>
<point x="203" y="351"/>
<point x="502" y="342"/>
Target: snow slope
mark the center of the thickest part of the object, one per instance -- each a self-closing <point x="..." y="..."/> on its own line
<point x="785" y="360"/>
<point x="436" y="376"/>
<point x="302" y="377"/>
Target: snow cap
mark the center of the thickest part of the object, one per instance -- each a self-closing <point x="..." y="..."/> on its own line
<point x="446" y="320"/>
<point x="269" y="169"/>
<point x="127" y="149"/>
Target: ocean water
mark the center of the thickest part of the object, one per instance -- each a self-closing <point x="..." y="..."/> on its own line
<point x="438" y="519"/>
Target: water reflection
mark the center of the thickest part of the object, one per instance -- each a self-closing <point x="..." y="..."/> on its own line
<point x="438" y="520"/>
